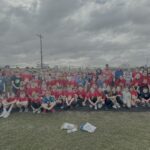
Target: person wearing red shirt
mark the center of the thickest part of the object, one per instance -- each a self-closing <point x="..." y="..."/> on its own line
<point x="26" y="77"/>
<point x="81" y="93"/>
<point x="37" y="81"/>
<point x="120" y="82"/>
<point x="119" y="96"/>
<point x="22" y="102"/>
<point x="70" y="97"/>
<point x="134" y="97"/>
<point x="108" y="76"/>
<point x="145" y="79"/>
<point x="59" y="99"/>
<point x="136" y="81"/>
<point x="56" y="93"/>
<point x="44" y="88"/>
<point x="136" y="72"/>
<point x="8" y="103"/>
<point x="35" y="97"/>
<point x="100" y="98"/>
<point x="91" y="98"/>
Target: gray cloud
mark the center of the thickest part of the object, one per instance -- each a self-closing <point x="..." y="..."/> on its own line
<point x="79" y="33"/>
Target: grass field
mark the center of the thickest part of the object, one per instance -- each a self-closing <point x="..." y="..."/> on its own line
<point x="115" y="131"/>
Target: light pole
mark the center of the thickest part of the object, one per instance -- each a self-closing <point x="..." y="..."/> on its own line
<point x="41" y="49"/>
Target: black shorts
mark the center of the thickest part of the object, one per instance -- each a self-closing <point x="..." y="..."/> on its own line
<point x="94" y="99"/>
<point x="35" y="105"/>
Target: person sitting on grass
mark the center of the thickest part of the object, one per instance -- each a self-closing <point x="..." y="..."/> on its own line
<point x="60" y="99"/>
<point x="100" y="98"/>
<point x="119" y="97"/>
<point x="126" y="97"/>
<point x="91" y="99"/>
<point x="145" y="96"/>
<point x="70" y="99"/>
<point x="8" y="103"/>
<point x="34" y="94"/>
<point x="81" y="93"/>
<point x="134" y="97"/>
<point x="48" y="102"/>
<point x="110" y="98"/>
<point x="22" y="102"/>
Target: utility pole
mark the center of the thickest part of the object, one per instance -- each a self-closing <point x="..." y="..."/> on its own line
<point x="41" y="49"/>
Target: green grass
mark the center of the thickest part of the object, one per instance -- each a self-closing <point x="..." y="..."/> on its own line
<point x="115" y="131"/>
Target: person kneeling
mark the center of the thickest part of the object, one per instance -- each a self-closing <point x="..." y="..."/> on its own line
<point x="48" y="102"/>
<point x="22" y="102"/>
<point x="145" y="97"/>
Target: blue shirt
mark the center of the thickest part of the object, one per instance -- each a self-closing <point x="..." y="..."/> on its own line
<point x="118" y="73"/>
<point x="50" y="99"/>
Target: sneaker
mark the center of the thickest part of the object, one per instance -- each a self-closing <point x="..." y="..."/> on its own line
<point x="6" y="115"/>
<point x="114" y="106"/>
<point x="34" y="111"/>
<point x="39" y="111"/>
<point x="95" y="107"/>
<point x="148" y="104"/>
<point x="90" y="106"/>
<point x="117" y="105"/>
<point x="62" y="107"/>
<point x="26" y="110"/>
<point x="3" y="113"/>
<point x="99" y="106"/>
<point x="21" y="110"/>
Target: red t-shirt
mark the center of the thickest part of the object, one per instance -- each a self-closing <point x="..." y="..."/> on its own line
<point x="11" y="99"/>
<point x="81" y="94"/>
<point x="38" y="82"/>
<point x="26" y="77"/>
<point x="32" y="91"/>
<point x="120" y="82"/>
<point x="69" y="93"/>
<point x="136" y="82"/>
<point x="119" y="93"/>
<point x="99" y="94"/>
<point x="36" y="100"/>
<point x="72" y="83"/>
<point x="134" y="74"/>
<point x="91" y="95"/>
<point x="107" y="73"/>
<point x="56" y="94"/>
<point x="134" y="93"/>
<point x="145" y="80"/>
<point x="43" y="92"/>
<point x="22" y="99"/>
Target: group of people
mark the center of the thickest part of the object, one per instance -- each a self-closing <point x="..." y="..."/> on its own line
<point x="49" y="90"/>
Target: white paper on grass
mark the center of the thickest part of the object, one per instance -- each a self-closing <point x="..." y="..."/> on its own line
<point x="68" y="126"/>
<point x="88" y="127"/>
<point x="72" y="130"/>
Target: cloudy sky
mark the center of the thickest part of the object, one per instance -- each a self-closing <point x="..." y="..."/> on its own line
<point x="75" y="32"/>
